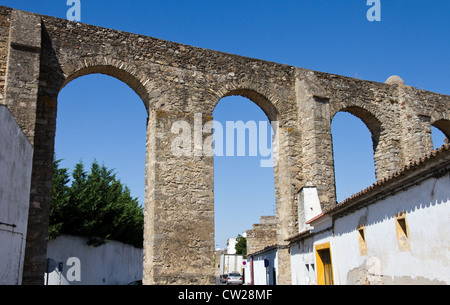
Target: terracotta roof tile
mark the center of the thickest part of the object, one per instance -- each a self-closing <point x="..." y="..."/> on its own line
<point x="438" y="153"/>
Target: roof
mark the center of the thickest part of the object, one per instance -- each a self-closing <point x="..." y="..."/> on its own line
<point x="419" y="170"/>
<point x="434" y="164"/>
<point x="266" y="249"/>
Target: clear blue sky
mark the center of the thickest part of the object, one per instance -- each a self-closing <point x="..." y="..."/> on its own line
<point x="411" y="40"/>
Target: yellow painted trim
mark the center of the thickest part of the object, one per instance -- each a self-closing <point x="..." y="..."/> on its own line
<point x="320" y="265"/>
<point x="403" y="237"/>
<point x="323" y="246"/>
<point x="362" y="242"/>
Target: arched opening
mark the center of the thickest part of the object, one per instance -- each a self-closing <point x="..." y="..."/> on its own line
<point x="355" y="135"/>
<point x="119" y="74"/>
<point x="243" y="168"/>
<point x="100" y="118"/>
<point x="440" y="133"/>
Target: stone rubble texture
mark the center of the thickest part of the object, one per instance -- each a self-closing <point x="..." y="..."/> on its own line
<point x="39" y="55"/>
<point x="262" y="235"/>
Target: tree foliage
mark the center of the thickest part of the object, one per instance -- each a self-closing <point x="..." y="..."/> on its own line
<point x="95" y="205"/>
<point x="241" y="245"/>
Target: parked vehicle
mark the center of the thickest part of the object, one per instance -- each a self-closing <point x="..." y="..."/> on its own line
<point x="234" y="279"/>
<point x="231" y="263"/>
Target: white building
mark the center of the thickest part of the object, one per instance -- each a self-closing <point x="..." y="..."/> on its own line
<point x="262" y="267"/>
<point x="231" y="244"/>
<point x="395" y="232"/>
<point x="16" y="156"/>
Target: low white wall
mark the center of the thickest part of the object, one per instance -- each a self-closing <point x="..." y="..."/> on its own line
<point x="114" y="263"/>
<point x="16" y="158"/>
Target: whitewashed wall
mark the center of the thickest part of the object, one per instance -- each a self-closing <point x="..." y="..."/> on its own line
<point x="16" y="157"/>
<point x="427" y="207"/>
<point x="263" y="275"/>
<point x="303" y="258"/>
<point x="114" y="263"/>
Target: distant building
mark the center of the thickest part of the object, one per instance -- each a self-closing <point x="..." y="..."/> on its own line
<point x="231" y="244"/>
<point x="262" y="234"/>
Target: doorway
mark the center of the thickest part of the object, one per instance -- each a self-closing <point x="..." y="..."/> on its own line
<point x="324" y="264"/>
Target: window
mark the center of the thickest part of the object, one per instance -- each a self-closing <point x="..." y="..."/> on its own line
<point x="401" y="226"/>
<point x="324" y="264"/>
<point x="362" y="241"/>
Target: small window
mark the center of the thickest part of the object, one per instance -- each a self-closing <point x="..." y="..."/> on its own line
<point x="401" y="226"/>
<point x="362" y="241"/>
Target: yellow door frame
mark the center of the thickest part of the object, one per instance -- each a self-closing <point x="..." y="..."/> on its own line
<point x="321" y="265"/>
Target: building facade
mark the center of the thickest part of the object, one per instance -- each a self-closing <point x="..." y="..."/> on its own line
<point x="394" y="232"/>
<point x="16" y="155"/>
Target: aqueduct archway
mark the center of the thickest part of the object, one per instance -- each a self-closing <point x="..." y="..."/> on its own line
<point x="41" y="54"/>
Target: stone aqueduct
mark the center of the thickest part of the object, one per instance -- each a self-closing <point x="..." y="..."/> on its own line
<point x="39" y="55"/>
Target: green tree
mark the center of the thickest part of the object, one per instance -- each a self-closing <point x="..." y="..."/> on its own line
<point x="241" y="245"/>
<point x="60" y="188"/>
<point x="95" y="205"/>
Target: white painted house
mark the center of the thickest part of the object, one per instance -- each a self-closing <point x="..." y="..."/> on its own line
<point x="395" y="232"/>
<point x="16" y="156"/>
<point x="262" y="267"/>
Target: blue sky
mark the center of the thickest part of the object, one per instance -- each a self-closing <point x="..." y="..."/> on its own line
<point x="411" y="40"/>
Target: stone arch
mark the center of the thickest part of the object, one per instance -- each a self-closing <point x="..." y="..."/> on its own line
<point x="265" y="100"/>
<point x="444" y="126"/>
<point x="370" y="120"/>
<point x="379" y="137"/>
<point x="54" y="76"/>
<point x="124" y="72"/>
<point x="261" y="110"/>
<point x="271" y="112"/>
<point x="353" y="155"/>
<point x="259" y="99"/>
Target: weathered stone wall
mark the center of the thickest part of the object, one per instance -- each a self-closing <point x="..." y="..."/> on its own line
<point x="398" y="116"/>
<point x="4" y="38"/>
<point x="179" y="82"/>
<point x="262" y="235"/>
<point x="175" y="82"/>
